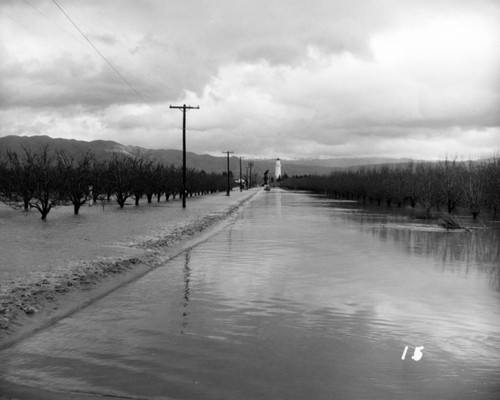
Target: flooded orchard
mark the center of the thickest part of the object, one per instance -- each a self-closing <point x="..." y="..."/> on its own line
<point x="300" y="297"/>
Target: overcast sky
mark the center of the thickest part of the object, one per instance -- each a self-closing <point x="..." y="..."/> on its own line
<point x="287" y="78"/>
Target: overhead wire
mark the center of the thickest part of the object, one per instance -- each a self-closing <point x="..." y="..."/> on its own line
<point x="18" y="22"/>
<point x="120" y="75"/>
<point x="83" y="26"/>
<point x="35" y="32"/>
<point x="48" y="19"/>
<point x="45" y="16"/>
<point x="87" y="39"/>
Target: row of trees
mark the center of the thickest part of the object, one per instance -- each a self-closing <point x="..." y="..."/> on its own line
<point x="473" y="185"/>
<point x="45" y="179"/>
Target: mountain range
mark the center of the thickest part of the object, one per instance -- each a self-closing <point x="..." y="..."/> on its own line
<point x="103" y="149"/>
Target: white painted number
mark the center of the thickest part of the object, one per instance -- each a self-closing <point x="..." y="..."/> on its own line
<point x="404" y="353"/>
<point x="417" y="354"/>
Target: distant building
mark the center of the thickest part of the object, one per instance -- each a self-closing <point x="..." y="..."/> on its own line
<point x="277" y="169"/>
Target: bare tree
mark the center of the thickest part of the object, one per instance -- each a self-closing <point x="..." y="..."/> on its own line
<point x="100" y="180"/>
<point x="138" y="172"/>
<point x="473" y="185"/>
<point x="4" y="180"/>
<point x="152" y="179"/>
<point x="426" y="183"/>
<point x="493" y="184"/>
<point x="172" y="182"/>
<point x="448" y="187"/>
<point x="19" y="179"/>
<point x="122" y="177"/>
<point x="75" y="178"/>
<point x="46" y="181"/>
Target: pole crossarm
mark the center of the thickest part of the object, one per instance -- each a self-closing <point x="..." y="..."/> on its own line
<point x="184" y="108"/>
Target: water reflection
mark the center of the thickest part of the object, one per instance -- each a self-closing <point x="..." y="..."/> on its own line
<point x="459" y="252"/>
<point x="294" y="300"/>
<point x="453" y="251"/>
<point x="187" y="274"/>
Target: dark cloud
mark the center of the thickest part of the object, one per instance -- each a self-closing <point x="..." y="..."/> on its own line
<point x="321" y="78"/>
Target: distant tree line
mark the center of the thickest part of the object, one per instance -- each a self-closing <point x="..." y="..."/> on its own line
<point x="445" y="185"/>
<point x="45" y="179"/>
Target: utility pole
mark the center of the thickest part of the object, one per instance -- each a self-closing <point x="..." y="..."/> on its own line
<point x="241" y="184"/>
<point x="250" y="165"/>
<point x="228" y="178"/>
<point x="184" y="108"/>
<point x="248" y="182"/>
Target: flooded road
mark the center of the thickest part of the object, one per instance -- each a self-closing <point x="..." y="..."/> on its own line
<point x="300" y="298"/>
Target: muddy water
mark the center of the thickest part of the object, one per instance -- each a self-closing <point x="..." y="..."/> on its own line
<point x="300" y="298"/>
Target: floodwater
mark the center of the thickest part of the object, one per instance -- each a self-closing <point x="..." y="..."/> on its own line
<point x="300" y="298"/>
<point x="31" y="246"/>
<point x="32" y="249"/>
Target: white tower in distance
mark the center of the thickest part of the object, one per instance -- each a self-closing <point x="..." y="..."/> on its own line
<point x="277" y="169"/>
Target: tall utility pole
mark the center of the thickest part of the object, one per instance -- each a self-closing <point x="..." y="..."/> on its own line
<point x="183" y="108"/>
<point x="241" y="184"/>
<point x="248" y="182"/>
<point x="250" y="165"/>
<point x="228" y="178"/>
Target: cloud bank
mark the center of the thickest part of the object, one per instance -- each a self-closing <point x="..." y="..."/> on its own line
<point x="272" y="78"/>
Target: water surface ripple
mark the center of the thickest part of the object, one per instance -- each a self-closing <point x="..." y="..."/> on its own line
<point x="301" y="297"/>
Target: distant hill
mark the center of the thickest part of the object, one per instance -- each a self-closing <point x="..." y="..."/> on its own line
<point x="102" y="150"/>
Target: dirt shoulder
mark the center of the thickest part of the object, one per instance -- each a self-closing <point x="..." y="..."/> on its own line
<point x="29" y="305"/>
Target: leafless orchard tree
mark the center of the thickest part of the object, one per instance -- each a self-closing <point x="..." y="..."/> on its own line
<point x="172" y="182"/>
<point x="425" y="181"/>
<point x="449" y="184"/>
<point x="122" y="177"/>
<point x="46" y="181"/>
<point x="75" y="178"/>
<point x="493" y="191"/>
<point x="448" y="172"/>
<point x="19" y="179"/>
<point x="4" y="181"/>
<point x="152" y="180"/>
<point x="100" y="181"/>
<point x="32" y="180"/>
<point x="139" y="171"/>
<point x="473" y="183"/>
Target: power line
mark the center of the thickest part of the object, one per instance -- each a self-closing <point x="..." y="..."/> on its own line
<point x="48" y="19"/>
<point x="144" y="73"/>
<point x="122" y="75"/>
<point x="35" y="33"/>
<point x="102" y="56"/>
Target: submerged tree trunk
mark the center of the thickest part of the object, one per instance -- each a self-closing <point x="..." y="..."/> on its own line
<point x="76" y="207"/>
<point x="44" y="208"/>
<point x="451" y="205"/>
<point x="120" y="199"/>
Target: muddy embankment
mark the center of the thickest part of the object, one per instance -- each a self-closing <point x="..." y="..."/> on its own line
<point x="29" y="305"/>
